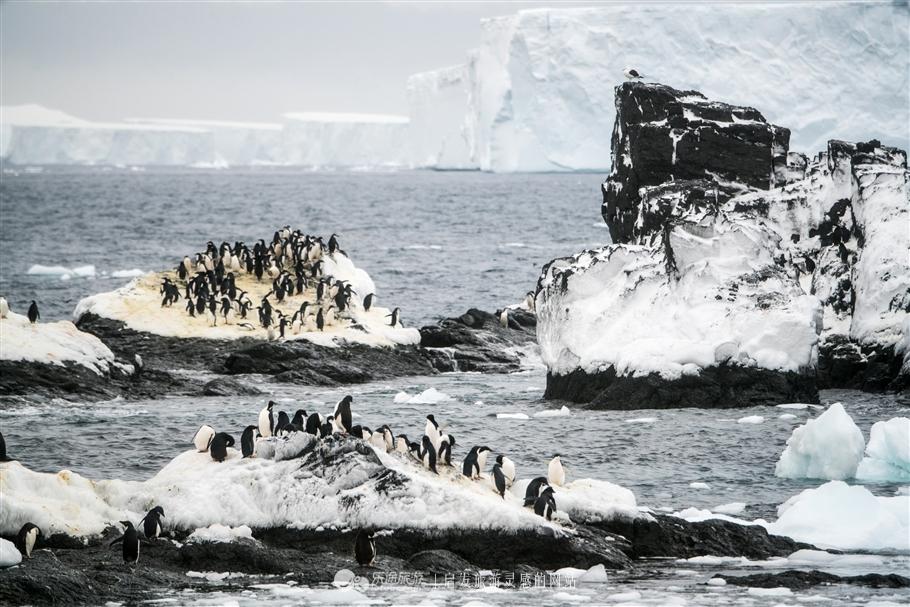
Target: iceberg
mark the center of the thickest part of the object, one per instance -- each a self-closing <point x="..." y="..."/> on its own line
<point x="314" y="139"/>
<point x="829" y="447"/>
<point x="888" y="452"/>
<point x="440" y="128"/>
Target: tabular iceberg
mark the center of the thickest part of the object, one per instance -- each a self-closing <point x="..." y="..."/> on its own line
<point x="440" y="128"/>
<point x="316" y="139"/>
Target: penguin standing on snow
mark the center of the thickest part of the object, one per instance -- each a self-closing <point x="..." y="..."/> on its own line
<point x="534" y="489"/>
<point x="342" y="417"/>
<point x="367" y="302"/>
<point x="499" y="481"/>
<point x="508" y="468"/>
<point x="556" y="475"/>
<point x="428" y="454"/>
<point x="266" y="420"/>
<point x="27" y="538"/>
<point x="220" y="443"/>
<point x="482" y="453"/>
<point x="446" y="441"/>
<point x="151" y="523"/>
<point x="545" y="505"/>
<point x="365" y="548"/>
<point x="313" y="423"/>
<point x="470" y="467"/>
<point x="203" y="438"/>
<point x="4" y="307"/>
<point x="248" y="441"/>
<point x="432" y="430"/>
<point x="130" y="540"/>
<point x="33" y="314"/>
<point x="395" y="319"/>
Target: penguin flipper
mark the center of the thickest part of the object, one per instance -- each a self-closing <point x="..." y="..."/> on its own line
<point x="116" y="541"/>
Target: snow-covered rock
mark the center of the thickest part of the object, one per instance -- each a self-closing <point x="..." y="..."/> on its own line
<point x="888" y="452"/>
<point x="707" y="296"/>
<point x="337" y="484"/>
<point x="829" y="447"/>
<point x="837" y="515"/>
<point x="220" y="533"/>
<point x="9" y="554"/>
<point x="440" y="129"/>
<point x="52" y="343"/>
<point x="542" y="79"/>
<point x="318" y="140"/>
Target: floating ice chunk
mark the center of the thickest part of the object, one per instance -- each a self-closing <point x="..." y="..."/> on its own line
<point x="512" y="416"/>
<point x="716" y="581"/>
<point x="9" y="554"/>
<point x="829" y="447"/>
<point x="837" y="515"/>
<point x="699" y="485"/>
<point x="641" y="420"/>
<point x="781" y="591"/>
<point x="40" y="270"/>
<point x="430" y="396"/>
<point x="127" y="273"/>
<point x="787" y="416"/>
<point x="220" y="533"/>
<point x="561" y="412"/>
<point x="750" y="419"/>
<point x="214" y="576"/>
<point x="594" y="575"/>
<point x="794" y="406"/>
<point x="888" y="452"/>
<point x="403" y="397"/>
<point x="339" y="596"/>
<point x="820" y="558"/>
<point x="731" y="508"/>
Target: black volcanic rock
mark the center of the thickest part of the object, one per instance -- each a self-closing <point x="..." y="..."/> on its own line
<point x="803" y="580"/>
<point x="662" y="134"/>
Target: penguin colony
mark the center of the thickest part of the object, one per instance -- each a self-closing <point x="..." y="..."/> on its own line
<point x="433" y="452"/>
<point x="301" y="298"/>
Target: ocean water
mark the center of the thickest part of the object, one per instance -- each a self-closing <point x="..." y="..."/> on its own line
<point x="435" y="244"/>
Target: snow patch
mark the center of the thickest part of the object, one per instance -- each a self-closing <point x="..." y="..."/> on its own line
<point x="9" y="554"/>
<point x="220" y="533"/>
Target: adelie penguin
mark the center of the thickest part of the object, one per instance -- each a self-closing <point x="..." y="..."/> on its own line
<point x="27" y="538"/>
<point x="534" y="490"/>
<point x="508" y="468"/>
<point x="33" y="314"/>
<point x="219" y="446"/>
<point x="281" y="424"/>
<point x="151" y="523"/>
<point x="394" y="316"/>
<point x="365" y="548"/>
<point x="428" y="454"/>
<point x="248" y="441"/>
<point x="368" y="302"/>
<point x="266" y="420"/>
<point x="545" y="505"/>
<point x="471" y="468"/>
<point x="203" y="438"/>
<point x="130" y="541"/>
<point x="341" y="416"/>
<point x="556" y="475"/>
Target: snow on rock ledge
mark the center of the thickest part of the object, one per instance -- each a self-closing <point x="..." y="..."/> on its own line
<point x="56" y="343"/>
<point x="829" y="447"/>
<point x="337" y="484"/>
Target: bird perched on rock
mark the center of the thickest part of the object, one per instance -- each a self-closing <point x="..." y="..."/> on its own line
<point x="26" y="539"/>
<point x="632" y="74"/>
<point x="130" y="540"/>
<point x="365" y="548"/>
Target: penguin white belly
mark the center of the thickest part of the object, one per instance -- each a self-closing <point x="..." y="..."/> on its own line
<point x="508" y="469"/>
<point x="157" y="529"/>
<point x="203" y="436"/>
<point x="556" y="475"/>
<point x="30" y="538"/>
<point x="378" y="441"/>
<point x="401" y="445"/>
<point x="264" y="428"/>
<point x="4" y="308"/>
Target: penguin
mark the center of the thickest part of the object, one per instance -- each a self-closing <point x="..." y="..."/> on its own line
<point x="556" y="475"/>
<point x="482" y="453"/>
<point x="33" y="314"/>
<point x="428" y="454"/>
<point x="203" y="438"/>
<point x="545" y="504"/>
<point x="342" y="414"/>
<point x="313" y="423"/>
<point x="320" y="320"/>
<point x="394" y="315"/>
<point x="365" y="548"/>
<point x="414" y="450"/>
<point x="534" y="489"/>
<point x="326" y="429"/>
<point x="499" y="481"/>
<point x="508" y="468"/>
<point x="299" y="420"/>
<point x="130" y="540"/>
<point x="4" y="308"/>
<point x="220" y="443"/>
<point x="388" y="438"/>
<point x="531" y="301"/>
<point x="432" y="430"/>
<point x="446" y="442"/>
<point x="283" y="421"/>
<point x="266" y="420"/>
<point x="470" y="468"/>
<point x="504" y="318"/>
<point x="26" y="539"/>
<point x="368" y="302"/>
<point x="401" y="444"/>
<point x="248" y="441"/>
<point x="151" y="523"/>
<point x="377" y="440"/>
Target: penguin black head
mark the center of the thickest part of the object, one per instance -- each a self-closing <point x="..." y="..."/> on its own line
<point x="482" y="449"/>
<point x="432" y="419"/>
<point x="127" y="524"/>
<point x="270" y="405"/>
<point x="499" y="459"/>
<point x="157" y="510"/>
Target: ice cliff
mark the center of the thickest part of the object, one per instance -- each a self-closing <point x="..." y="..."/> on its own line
<point x="736" y="264"/>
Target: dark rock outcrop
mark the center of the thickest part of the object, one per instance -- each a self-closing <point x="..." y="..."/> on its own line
<point x="803" y="580"/>
<point x="477" y="341"/>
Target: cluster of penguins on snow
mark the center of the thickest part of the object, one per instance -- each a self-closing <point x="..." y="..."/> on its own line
<point x="434" y="449"/>
<point x="293" y="262"/>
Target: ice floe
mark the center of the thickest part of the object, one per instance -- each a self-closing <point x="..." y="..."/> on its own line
<point x="827" y="447"/>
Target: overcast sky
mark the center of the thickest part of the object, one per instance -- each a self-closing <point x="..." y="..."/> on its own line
<point x="109" y="61"/>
